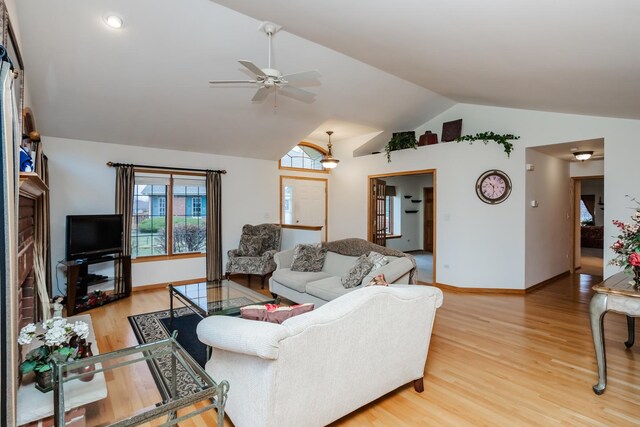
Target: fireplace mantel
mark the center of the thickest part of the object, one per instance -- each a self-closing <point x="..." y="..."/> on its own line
<point x="31" y="185"/>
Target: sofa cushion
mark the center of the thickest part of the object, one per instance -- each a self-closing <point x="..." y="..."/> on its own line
<point x="377" y="259"/>
<point x="250" y="246"/>
<point x="379" y="280"/>
<point x="356" y="273"/>
<point x="308" y="258"/>
<point x="327" y="289"/>
<point x="272" y="313"/>
<point x="297" y="280"/>
<point x="392" y="271"/>
<point x="338" y="265"/>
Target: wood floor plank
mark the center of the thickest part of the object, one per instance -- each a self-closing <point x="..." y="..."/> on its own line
<point x="494" y="360"/>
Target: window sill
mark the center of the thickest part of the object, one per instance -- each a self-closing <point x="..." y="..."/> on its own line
<point x="153" y="258"/>
<point x="393" y="236"/>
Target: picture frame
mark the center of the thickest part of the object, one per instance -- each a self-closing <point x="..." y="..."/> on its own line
<point x="10" y="42"/>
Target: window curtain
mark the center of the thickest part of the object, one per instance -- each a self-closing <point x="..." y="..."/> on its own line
<point x="391" y="191"/>
<point x="125" y="181"/>
<point x="42" y="237"/>
<point x="9" y="232"/>
<point x="214" y="227"/>
<point x="590" y="203"/>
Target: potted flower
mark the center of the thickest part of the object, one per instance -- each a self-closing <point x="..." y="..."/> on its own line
<point x="400" y="141"/>
<point x="60" y="340"/>
<point x="627" y="247"/>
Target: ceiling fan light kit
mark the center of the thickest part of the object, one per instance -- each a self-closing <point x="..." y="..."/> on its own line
<point x="270" y="80"/>
<point x="328" y="161"/>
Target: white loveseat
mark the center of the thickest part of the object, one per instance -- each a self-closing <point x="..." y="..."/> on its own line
<point x="325" y="285"/>
<point x="319" y="366"/>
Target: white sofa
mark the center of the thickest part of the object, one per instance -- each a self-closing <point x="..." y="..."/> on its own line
<point x="322" y="286"/>
<point x="319" y="366"/>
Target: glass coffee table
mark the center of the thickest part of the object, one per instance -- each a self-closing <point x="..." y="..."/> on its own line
<point x="216" y="298"/>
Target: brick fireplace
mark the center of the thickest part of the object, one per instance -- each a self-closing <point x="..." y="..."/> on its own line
<point x="27" y="293"/>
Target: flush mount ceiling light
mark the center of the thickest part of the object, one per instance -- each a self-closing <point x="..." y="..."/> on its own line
<point x="583" y="155"/>
<point x="114" y="21"/>
<point x="328" y="161"/>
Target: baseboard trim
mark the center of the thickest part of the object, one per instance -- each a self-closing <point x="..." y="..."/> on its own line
<point x="546" y="282"/>
<point x="537" y="286"/>
<point x="462" y="290"/>
<point x="155" y="286"/>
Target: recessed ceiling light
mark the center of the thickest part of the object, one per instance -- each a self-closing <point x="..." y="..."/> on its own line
<point x="114" y="21"/>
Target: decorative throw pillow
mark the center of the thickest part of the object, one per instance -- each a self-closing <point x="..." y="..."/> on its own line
<point x="360" y="269"/>
<point x="377" y="259"/>
<point x="309" y="258"/>
<point x="379" y="280"/>
<point x="250" y="245"/>
<point x="272" y="313"/>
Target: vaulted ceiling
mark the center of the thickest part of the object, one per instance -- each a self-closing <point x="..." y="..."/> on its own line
<point x="385" y="65"/>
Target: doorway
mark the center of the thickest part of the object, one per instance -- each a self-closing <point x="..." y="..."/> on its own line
<point x="402" y="216"/>
<point x="304" y="202"/>
<point x="588" y="225"/>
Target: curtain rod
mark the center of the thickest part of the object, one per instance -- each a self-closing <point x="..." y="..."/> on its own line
<point x="113" y="165"/>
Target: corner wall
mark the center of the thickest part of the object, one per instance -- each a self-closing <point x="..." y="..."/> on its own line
<point x="548" y="226"/>
<point x="81" y="183"/>
<point x="478" y="245"/>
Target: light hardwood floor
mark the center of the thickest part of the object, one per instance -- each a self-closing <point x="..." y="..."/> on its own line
<point x="498" y="360"/>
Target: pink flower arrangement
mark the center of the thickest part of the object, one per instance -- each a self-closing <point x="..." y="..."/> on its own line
<point x="634" y="259"/>
<point x="627" y="247"/>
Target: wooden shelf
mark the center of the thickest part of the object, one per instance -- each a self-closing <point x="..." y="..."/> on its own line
<point x="31" y="185"/>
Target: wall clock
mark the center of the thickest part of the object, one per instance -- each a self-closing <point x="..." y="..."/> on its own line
<point x="493" y="187"/>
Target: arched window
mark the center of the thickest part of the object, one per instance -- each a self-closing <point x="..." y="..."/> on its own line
<point x="304" y="156"/>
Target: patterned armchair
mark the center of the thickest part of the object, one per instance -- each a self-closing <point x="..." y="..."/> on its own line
<point x="258" y="244"/>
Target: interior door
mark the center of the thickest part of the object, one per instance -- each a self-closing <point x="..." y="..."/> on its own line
<point x="378" y="211"/>
<point x="428" y="219"/>
<point x="305" y="202"/>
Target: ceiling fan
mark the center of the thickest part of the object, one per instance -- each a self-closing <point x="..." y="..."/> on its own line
<point x="271" y="80"/>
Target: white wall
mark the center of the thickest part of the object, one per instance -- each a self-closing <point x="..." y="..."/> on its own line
<point x="411" y="224"/>
<point x="292" y="237"/>
<point x="548" y="226"/>
<point x="81" y="183"/>
<point x="480" y="245"/>
<point x="586" y="168"/>
<point x="595" y="187"/>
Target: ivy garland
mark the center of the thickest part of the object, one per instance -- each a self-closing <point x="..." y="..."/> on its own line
<point x="491" y="136"/>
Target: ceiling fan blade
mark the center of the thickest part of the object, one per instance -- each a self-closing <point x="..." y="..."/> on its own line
<point x="304" y="75"/>
<point x="253" y="68"/>
<point x="297" y="93"/>
<point x="261" y="94"/>
<point x="215" y="82"/>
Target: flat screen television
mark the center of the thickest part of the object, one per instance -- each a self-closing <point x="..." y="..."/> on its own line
<point x="93" y="236"/>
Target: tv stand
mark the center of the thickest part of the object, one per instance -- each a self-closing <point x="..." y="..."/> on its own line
<point x="79" y="280"/>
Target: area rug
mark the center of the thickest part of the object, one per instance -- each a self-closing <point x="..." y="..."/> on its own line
<point x="151" y="327"/>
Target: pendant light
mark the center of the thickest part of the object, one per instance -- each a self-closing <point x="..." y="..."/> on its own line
<point x="328" y="161"/>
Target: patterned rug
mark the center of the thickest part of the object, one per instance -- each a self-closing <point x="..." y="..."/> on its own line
<point x="150" y="327"/>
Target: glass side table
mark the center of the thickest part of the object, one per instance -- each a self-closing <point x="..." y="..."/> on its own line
<point x="173" y="395"/>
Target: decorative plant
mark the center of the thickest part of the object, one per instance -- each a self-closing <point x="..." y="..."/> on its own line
<point x="58" y="337"/>
<point x="627" y="247"/>
<point x="491" y="136"/>
<point x="400" y="141"/>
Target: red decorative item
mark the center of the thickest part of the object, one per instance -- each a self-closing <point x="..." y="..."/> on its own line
<point x="428" y="138"/>
<point x="85" y="351"/>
